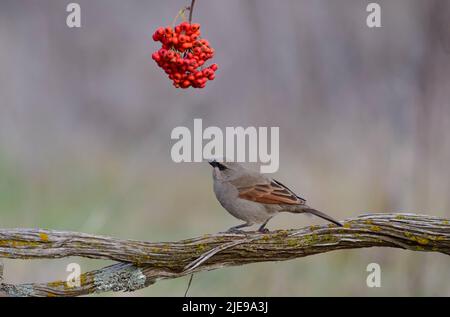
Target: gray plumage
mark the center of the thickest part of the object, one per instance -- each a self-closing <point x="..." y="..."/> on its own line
<point x="255" y="198"/>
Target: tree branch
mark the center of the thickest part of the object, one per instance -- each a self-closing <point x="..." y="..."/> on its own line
<point x="191" y="11"/>
<point x="144" y="263"/>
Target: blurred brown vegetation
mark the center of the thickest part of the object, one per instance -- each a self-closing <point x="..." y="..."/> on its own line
<point x="364" y="116"/>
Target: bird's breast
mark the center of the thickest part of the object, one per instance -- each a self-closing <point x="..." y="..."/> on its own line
<point x="243" y="209"/>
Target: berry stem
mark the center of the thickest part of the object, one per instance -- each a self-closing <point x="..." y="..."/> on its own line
<point x="191" y="11"/>
<point x="180" y="13"/>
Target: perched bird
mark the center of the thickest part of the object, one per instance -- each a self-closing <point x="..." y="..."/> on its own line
<point x="255" y="198"/>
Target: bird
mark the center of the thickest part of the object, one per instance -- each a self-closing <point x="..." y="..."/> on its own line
<point x="255" y="198"/>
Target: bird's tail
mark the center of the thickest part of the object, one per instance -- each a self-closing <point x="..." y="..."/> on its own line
<point x="322" y="215"/>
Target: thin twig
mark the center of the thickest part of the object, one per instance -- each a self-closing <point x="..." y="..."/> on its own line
<point x="189" y="285"/>
<point x="191" y="11"/>
<point x="1" y="271"/>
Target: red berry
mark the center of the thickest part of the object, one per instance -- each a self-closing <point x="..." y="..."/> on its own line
<point x="195" y="27"/>
<point x="170" y="54"/>
<point x="155" y="56"/>
<point x="185" y="25"/>
<point x="182" y="38"/>
<point x="187" y="45"/>
<point x="185" y="84"/>
<point x="182" y="53"/>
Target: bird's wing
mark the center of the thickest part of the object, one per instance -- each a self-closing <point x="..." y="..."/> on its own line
<point x="270" y="192"/>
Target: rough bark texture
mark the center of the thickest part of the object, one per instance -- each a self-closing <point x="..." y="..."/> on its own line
<point x="143" y="263"/>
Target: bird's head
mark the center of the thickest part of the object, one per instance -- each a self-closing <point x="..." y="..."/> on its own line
<point x="225" y="170"/>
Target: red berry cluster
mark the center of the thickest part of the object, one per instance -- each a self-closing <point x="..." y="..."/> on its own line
<point x="183" y="55"/>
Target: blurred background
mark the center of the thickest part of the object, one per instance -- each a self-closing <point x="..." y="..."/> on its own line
<point x="364" y="117"/>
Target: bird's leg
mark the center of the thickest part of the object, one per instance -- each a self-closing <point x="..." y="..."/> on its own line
<point x="236" y="228"/>
<point x="263" y="228"/>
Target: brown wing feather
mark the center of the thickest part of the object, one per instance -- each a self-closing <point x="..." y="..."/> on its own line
<point x="273" y="193"/>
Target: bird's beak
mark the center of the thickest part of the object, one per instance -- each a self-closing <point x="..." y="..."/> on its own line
<point x="213" y="163"/>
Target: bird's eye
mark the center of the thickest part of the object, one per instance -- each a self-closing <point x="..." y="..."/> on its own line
<point x="221" y="166"/>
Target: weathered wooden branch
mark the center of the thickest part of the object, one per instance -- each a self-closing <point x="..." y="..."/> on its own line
<point x="143" y="263"/>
